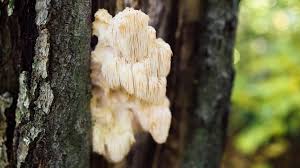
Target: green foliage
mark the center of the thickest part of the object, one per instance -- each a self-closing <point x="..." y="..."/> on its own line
<point x="266" y="98"/>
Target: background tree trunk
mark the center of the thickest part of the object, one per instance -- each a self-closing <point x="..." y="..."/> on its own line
<point x="45" y="48"/>
<point x="201" y="34"/>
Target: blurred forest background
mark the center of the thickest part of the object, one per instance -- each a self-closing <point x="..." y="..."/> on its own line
<point x="264" y="129"/>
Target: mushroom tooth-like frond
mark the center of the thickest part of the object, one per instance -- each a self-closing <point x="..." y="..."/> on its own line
<point x="126" y="77"/>
<point x="152" y="33"/>
<point x="130" y="34"/>
<point x="101" y="23"/>
<point x="103" y="16"/>
<point x="118" y="146"/>
<point x="155" y="119"/>
<point x="112" y="130"/>
<point x="156" y="90"/>
<point x="164" y="54"/>
<point x="159" y="122"/>
<point x="112" y="141"/>
<point x="98" y="139"/>
<point x="120" y="137"/>
<point x="111" y="73"/>
<point x="129" y="68"/>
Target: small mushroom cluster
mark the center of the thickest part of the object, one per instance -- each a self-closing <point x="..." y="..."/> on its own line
<point x="129" y="68"/>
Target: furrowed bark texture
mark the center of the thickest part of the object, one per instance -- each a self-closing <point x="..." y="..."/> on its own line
<point x="45" y="67"/>
<point x="201" y="34"/>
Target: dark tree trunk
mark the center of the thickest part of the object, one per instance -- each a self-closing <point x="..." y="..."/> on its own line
<point x="214" y="75"/>
<point x="45" y="48"/>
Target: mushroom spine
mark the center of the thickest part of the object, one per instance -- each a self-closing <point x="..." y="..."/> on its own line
<point x="129" y="67"/>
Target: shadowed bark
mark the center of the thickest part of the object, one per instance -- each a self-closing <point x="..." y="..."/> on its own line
<point x="214" y="77"/>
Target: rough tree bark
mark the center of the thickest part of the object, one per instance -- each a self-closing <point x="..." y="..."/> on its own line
<point x="44" y="83"/>
<point x="201" y="34"/>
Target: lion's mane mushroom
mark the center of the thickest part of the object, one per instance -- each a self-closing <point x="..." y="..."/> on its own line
<point x="129" y="68"/>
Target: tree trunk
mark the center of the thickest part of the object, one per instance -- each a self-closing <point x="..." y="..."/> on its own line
<point x="45" y="48"/>
<point x="201" y="35"/>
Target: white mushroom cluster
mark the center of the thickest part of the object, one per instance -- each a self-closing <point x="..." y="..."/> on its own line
<point x="129" y="68"/>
